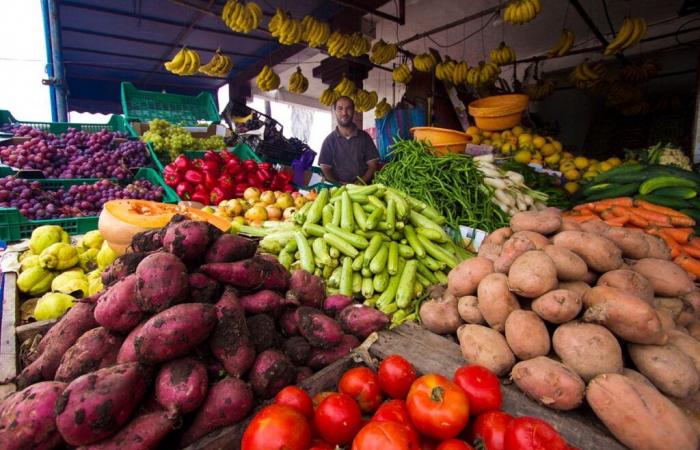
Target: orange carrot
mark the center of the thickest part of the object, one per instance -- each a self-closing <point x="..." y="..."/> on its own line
<point x="682" y="221"/>
<point x="620" y="211"/>
<point x="676" y="248"/>
<point x="680" y="235"/>
<point x="656" y="208"/>
<point x="689" y="264"/>
<point x="654" y="217"/>
<point x="619" y="201"/>
<point x="692" y="251"/>
<point x="617" y="221"/>
<point x="695" y="242"/>
<point x="607" y="214"/>
<point x="584" y="207"/>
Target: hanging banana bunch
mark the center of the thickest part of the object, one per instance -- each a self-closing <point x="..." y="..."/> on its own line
<point x="540" y="89"/>
<point x="633" y="29"/>
<point x="640" y="73"/>
<point x="401" y="74"/>
<point x="328" y="97"/>
<point x="382" y="109"/>
<point x="359" y="45"/>
<point x="519" y="12"/>
<point x="382" y="52"/>
<point x="184" y="63"/>
<point x="461" y="71"/>
<point x="345" y="87"/>
<point x="424" y="62"/>
<point x="285" y="28"/>
<point x="586" y="76"/>
<point x="267" y="80"/>
<point x="273" y="26"/>
<point x="241" y="18"/>
<point x="445" y="70"/>
<point x="563" y="45"/>
<point x="502" y="55"/>
<point x="339" y="44"/>
<point x="316" y="33"/>
<point x="219" y="66"/>
<point x="364" y="101"/>
<point x="298" y="83"/>
<point x="485" y="73"/>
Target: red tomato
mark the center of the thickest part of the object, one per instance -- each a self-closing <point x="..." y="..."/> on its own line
<point x="395" y="411"/>
<point x="277" y="426"/>
<point x="482" y="388"/>
<point x="361" y="383"/>
<point x="438" y="407"/>
<point x="454" y="444"/>
<point x="531" y="433"/>
<point x="321" y="396"/>
<point x="338" y="419"/>
<point x="490" y="429"/>
<point x="296" y="398"/>
<point x="384" y="436"/>
<point x="396" y="376"/>
<point x="318" y="444"/>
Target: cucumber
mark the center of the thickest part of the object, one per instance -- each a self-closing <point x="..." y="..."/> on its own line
<point x="675" y="171"/>
<point x="616" y="190"/>
<point x="677" y="192"/>
<point x="618" y="171"/>
<point x="692" y="212"/>
<point x="593" y="188"/>
<point x="655" y="183"/>
<point x="669" y="202"/>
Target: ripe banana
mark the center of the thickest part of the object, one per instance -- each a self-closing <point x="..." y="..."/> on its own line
<point x="382" y="109"/>
<point x="382" y="52"/>
<point x="445" y="71"/>
<point x="365" y="101"/>
<point x="219" y="66"/>
<point x="519" y="12"/>
<point x="502" y="55"/>
<point x="316" y="33"/>
<point x="298" y="83"/>
<point x="241" y="18"/>
<point x="401" y="74"/>
<point x="563" y="45"/>
<point x="286" y="29"/>
<point x="359" y="45"/>
<point x="339" y="44"/>
<point x="586" y="76"/>
<point x="329" y="96"/>
<point x="345" y="87"/>
<point x="424" y="62"/>
<point x="267" y="80"/>
<point x="639" y="73"/>
<point x="540" y="89"/>
<point x="461" y="71"/>
<point x="633" y="29"/>
<point x="185" y="62"/>
<point x="484" y="74"/>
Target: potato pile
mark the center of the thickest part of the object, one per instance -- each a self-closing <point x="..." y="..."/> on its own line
<point x="578" y="312"/>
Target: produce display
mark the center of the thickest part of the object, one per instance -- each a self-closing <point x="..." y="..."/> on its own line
<point x="257" y="207"/>
<point x="547" y="184"/>
<point x="585" y="291"/>
<point x="171" y="140"/>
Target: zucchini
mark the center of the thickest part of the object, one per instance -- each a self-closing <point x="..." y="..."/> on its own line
<point x="655" y="183"/>
<point x="592" y="188"/>
<point x="616" y="190"/>
<point x="675" y="171"/>
<point x="669" y="202"/>
<point x="677" y="192"/>
<point x="620" y="170"/>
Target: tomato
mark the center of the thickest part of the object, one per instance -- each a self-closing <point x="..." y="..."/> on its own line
<point x="361" y="383"/>
<point x="277" y="426"/>
<point x="395" y="411"/>
<point x="490" y="429"/>
<point x="338" y="418"/>
<point x="454" y="444"/>
<point x="482" y="388"/>
<point x="318" y="444"/>
<point x="531" y="433"/>
<point x="321" y="396"/>
<point x="438" y="407"/>
<point x="396" y="376"/>
<point x="384" y="436"/>
<point x="296" y="398"/>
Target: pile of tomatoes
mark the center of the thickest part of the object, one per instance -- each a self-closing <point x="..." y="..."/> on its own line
<point x="428" y="412"/>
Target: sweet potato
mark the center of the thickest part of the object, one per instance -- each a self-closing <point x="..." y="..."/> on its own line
<point x="117" y="309"/>
<point x="204" y="289"/>
<point x="122" y="267"/>
<point x="361" y="321"/>
<point x="487" y="347"/>
<point x="27" y="418"/>
<point x="333" y="304"/>
<point x="306" y="289"/>
<point x="595" y="227"/>
<point x="686" y="344"/>
<point x="526" y="334"/>
<point x="513" y="247"/>
<point x="245" y="274"/>
<point x="440" y="315"/>
<point x="539" y="240"/>
<point x="189" y="239"/>
<point x="289" y="322"/>
<point x="181" y="385"/>
<point x="672" y="371"/>
<point x="681" y="313"/>
<point x="588" y="349"/>
<point x="549" y="382"/>
<point x="638" y="377"/>
<point x="693" y="299"/>
<point x="599" y="253"/>
<point x="638" y="415"/>
<point x="263" y="334"/>
<point x="578" y="287"/>
<point x="228" y="402"/>
<point x="570" y="225"/>
<point x="490" y="251"/>
<point x="629" y="281"/>
<point x="694" y="330"/>
<point x="320" y="330"/>
<point x="230" y="248"/>
<point x="276" y="277"/>
<point x="632" y="243"/>
<point x="147" y="241"/>
<point x="465" y="278"/>
<point x="498" y="237"/>
<point x="531" y="275"/>
<point x="557" y="306"/>
<point x="657" y="248"/>
<point x="271" y="372"/>
<point x="144" y="432"/>
<point x="496" y="301"/>
<point x="297" y="349"/>
<point x="162" y="282"/>
<point x="127" y="352"/>
<point x="626" y="315"/>
<point x="321" y="358"/>
<point x="95" y="349"/>
<point x="262" y="302"/>
<point x="174" y="332"/>
<point x="468" y="308"/>
<point x="97" y="404"/>
<point x="230" y="341"/>
<point x="547" y="221"/>
<point x="667" y="278"/>
<point x="570" y="266"/>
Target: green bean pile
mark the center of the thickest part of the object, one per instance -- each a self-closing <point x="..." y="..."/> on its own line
<point x="452" y="184"/>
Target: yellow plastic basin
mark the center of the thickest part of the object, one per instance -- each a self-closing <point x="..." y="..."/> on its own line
<point x="498" y="112"/>
<point x="443" y="139"/>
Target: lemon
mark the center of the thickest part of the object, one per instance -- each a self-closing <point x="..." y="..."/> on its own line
<point x="517" y="130"/>
<point x="572" y="175"/>
<point x="566" y="165"/>
<point x="476" y="139"/>
<point x="553" y="160"/>
<point x="590" y="174"/>
<point x="506" y="134"/>
<point x="548" y="149"/>
<point x="605" y="166"/>
<point x="473" y="131"/>
<point x="525" y="139"/>
<point x="537" y="155"/>
<point x="581" y="162"/>
<point x="495" y="136"/>
<point x="538" y="141"/>
<point x="486" y="142"/>
<point x="557" y="145"/>
<point x="523" y="156"/>
<point x="486" y="133"/>
<point x="496" y="143"/>
<point x="507" y="148"/>
<point x="614" y="161"/>
<point x="567" y="155"/>
<point x="571" y="187"/>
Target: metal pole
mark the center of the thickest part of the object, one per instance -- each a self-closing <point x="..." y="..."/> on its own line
<point x="49" y="59"/>
<point x="592" y="26"/>
<point x="57" y="60"/>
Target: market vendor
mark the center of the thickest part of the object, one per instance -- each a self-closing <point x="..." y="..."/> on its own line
<point x="348" y="154"/>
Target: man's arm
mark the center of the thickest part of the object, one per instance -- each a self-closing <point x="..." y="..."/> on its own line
<point x="328" y="173"/>
<point x="372" y="157"/>
<point x="371" y="169"/>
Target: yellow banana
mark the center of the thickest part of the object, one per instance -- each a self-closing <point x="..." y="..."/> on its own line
<point x="381" y="109"/>
<point x="175" y="64"/>
<point x="623" y="36"/>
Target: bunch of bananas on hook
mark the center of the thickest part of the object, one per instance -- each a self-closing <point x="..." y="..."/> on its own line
<point x="633" y="29"/>
<point x="640" y="73"/>
<point x="267" y="80"/>
<point x="445" y="70"/>
<point x="540" y="89"/>
<point x="382" y="52"/>
<point x="586" y="76"/>
<point x="184" y="63"/>
<point x="329" y="96"/>
<point x="219" y="66"/>
<point x="382" y="109"/>
<point x="519" y="12"/>
<point x="425" y="62"/>
<point x="345" y="87"/>
<point x="401" y="74"/>
<point x="484" y="74"/>
<point x="316" y="33"/>
<point x="459" y="76"/>
<point x="285" y="28"/>
<point x="563" y="45"/>
<point x="502" y="55"/>
<point x="359" y="45"/>
<point x="298" y="83"/>
<point x="364" y="101"/>
<point x="241" y="18"/>
<point x="339" y="44"/>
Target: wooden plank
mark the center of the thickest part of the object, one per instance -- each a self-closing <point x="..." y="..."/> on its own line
<point x="28" y="331"/>
<point x="8" y="340"/>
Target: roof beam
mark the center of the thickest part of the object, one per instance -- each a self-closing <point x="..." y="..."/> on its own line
<point x="447" y="26"/>
<point x="122" y="68"/>
<point x="401" y="19"/>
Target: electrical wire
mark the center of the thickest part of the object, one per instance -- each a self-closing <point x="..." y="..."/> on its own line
<point x="467" y="37"/>
<point x="680" y="28"/>
<point x="607" y="17"/>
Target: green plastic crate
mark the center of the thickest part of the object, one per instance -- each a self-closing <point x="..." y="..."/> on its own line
<point x="144" y="106"/>
<point x="116" y="123"/>
<point x="242" y="150"/>
<point x="14" y="226"/>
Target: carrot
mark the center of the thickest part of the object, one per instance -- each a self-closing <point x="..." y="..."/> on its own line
<point x="620" y="211"/>
<point x="617" y="221"/>
<point x="656" y="208"/>
<point x="689" y="264"/>
<point x="584" y="218"/>
<point x="682" y="221"/>
<point x="692" y="251"/>
<point x="676" y="248"/>
<point x="607" y="214"/>
<point x="584" y="207"/>
<point x="695" y="242"/>
<point x="619" y="201"/>
<point x="680" y="235"/>
<point x="654" y="217"/>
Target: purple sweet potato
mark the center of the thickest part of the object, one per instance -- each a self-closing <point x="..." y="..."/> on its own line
<point x="276" y="275"/>
<point x="361" y="321"/>
<point x="95" y="349"/>
<point x="246" y="274"/>
<point x="297" y="350"/>
<point x="147" y="241"/>
<point x="320" y="330"/>
<point x="289" y="322"/>
<point x="336" y="303"/>
<point x="321" y="358"/>
<point x="229" y="401"/>
<point x="174" y="332"/>
<point x="181" y="385"/>
<point x="204" y="289"/>
<point x="123" y="266"/>
<point x="27" y="418"/>
<point x="271" y="372"/>
<point x="303" y="373"/>
<point x="306" y="289"/>
<point x="262" y="302"/>
<point x="230" y="248"/>
<point x="95" y="405"/>
<point x="230" y="341"/>
<point x="188" y="240"/>
<point x="162" y="282"/>
<point x="117" y="309"/>
<point x="127" y="352"/>
<point x="144" y="432"/>
<point x="263" y="334"/>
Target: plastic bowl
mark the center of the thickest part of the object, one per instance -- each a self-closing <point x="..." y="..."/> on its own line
<point x="443" y="139"/>
<point x="498" y="112"/>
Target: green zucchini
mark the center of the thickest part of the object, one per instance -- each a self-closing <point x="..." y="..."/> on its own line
<point x="618" y="171"/>
<point x="669" y="202"/>
<point x="655" y="183"/>
<point x="675" y="171"/>
<point x="593" y="188"/>
<point x="617" y="190"/>
<point x="677" y="192"/>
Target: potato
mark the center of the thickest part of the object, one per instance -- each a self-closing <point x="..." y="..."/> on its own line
<point x="680" y="311"/>
<point x="599" y="253"/>
<point x="638" y="415"/>
<point x="629" y="281"/>
<point x="465" y="278"/>
<point x="588" y="349"/>
<point x="498" y="237"/>
<point x="638" y="376"/>
<point x="595" y="227"/>
<point x="468" y="307"/>
<point x="667" y="278"/>
<point x="532" y="274"/>
<point x="549" y="382"/>
<point x="666" y="319"/>
<point x="632" y="243"/>
<point x="527" y="335"/>
<point x="570" y="266"/>
<point x="536" y="238"/>
<point x="487" y="347"/>
<point x="693" y="299"/>
<point x="694" y="330"/>
<point x="687" y="345"/>
<point x="570" y="225"/>
<point x="626" y="315"/>
<point x="579" y="287"/>
<point x="513" y="247"/>
<point x="496" y="301"/>
<point x="657" y="248"/>
<point x="672" y="371"/>
<point x="440" y="315"/>
<point x="490" y="251"/>
<point x="544" y="222"/>
<point x="558" y="306"/>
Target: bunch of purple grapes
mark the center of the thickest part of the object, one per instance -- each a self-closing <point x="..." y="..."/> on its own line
<point x="77" y="201"/>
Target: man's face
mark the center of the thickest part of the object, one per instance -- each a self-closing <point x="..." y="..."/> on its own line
<point x="344" y="111"/>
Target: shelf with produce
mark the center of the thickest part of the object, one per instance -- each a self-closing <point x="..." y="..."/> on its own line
<point x="115" y="123"/>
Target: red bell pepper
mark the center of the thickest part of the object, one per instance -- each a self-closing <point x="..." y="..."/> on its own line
<point x="226" y="182"/>
<point x="265" y="165"/>
<point x="198" y="163"/>
<point x="239" y="177"/>
<point x="233" y="167"/>
<point x="289" y="188"/>
<point x="182" y="164"/>
<point x="171" y="179"/>
<point x="216" y="196"/>
<point x="210" y="181"/>
<point x="184" y="190"/>
<point x="212" y="167"/>
<point x="213" y="156"/>
<point x="194" y="176"/>
<point x="239" y="190"/>
<point x="250" y="165"/>
<point x="201" y="195"/>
